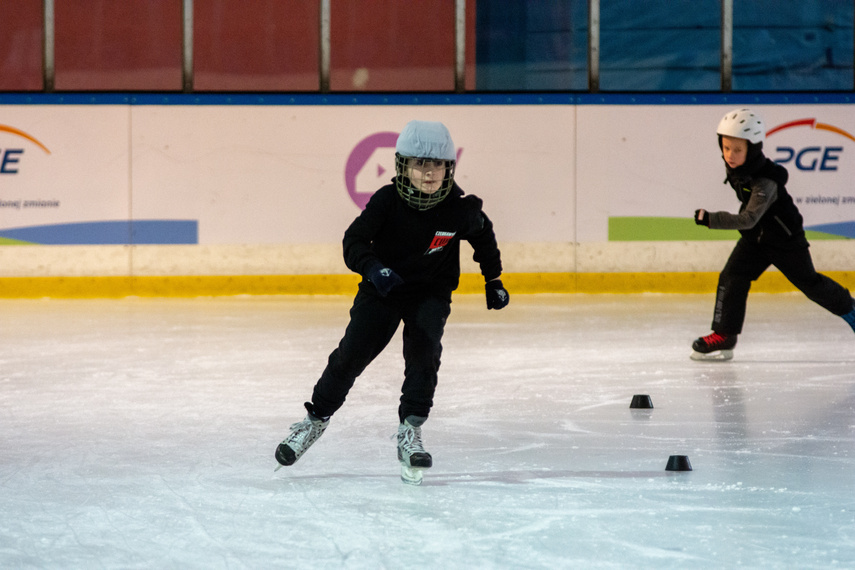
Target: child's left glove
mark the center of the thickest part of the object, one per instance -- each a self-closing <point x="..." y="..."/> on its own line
<point x="702" y="218"/>
<point x="497" y="295"/>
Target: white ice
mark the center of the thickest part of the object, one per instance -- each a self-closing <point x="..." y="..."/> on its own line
<point x="139" y="433"/>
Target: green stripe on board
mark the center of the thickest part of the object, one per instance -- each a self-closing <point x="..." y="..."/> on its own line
<point x="651" y="228"/>
<point x="634" y="228"/>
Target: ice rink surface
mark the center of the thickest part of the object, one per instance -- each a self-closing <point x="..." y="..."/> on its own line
<point x="139" y="433"/>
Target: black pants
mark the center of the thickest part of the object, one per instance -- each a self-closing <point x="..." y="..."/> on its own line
<point x="749" y="260"/>
<point x="373" y="322"/>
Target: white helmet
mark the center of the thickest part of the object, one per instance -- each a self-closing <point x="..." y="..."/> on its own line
<point x="424" y="140"/>
<point x="743" y="124"/>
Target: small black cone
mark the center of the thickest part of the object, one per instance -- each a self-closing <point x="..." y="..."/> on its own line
<point x="678" y="463"/>
<point x="641" y="401"/>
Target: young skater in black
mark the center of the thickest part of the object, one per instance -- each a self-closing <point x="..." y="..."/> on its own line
<point x="772" y="234"/>
<point x="406" y="246"/>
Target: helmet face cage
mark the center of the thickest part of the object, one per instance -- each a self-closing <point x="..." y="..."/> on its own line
<point x="408" y="188"/>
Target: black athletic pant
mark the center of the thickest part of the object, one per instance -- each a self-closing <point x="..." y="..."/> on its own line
<point x="749" y="260"/>
<point x="373" y="322"/>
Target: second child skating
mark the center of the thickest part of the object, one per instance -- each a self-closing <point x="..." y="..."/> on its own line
<point x="772" y="233"/>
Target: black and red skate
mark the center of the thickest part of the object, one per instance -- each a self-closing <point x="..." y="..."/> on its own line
<point x="714" y="346"/>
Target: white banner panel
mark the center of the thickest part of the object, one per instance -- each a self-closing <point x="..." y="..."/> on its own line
<point x="61" y="169"/>
<point x="260" y="175"/>
<point x="817" y="146"/>
<point x="660" y="162"/>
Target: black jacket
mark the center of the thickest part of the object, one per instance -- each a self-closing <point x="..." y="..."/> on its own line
<point x="423" y="247"/>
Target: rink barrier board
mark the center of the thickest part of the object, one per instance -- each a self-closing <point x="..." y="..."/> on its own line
<point x="127" y="267"/>
<point x="516" y="283"/>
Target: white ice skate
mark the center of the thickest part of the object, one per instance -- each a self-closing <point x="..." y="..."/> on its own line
<point x="411" y="452"/>
<point x="303" y="435"/>
<point x="713" y="347"/>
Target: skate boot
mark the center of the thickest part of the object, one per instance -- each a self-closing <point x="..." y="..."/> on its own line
<point x="303" y="435"/>
<point x="411" y="452"/>
<point x="714" y="346"/>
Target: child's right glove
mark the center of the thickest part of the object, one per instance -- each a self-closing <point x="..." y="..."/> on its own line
<point x="384" y="279"/>
<point x="702" y="218"/>
<point x="497" y="295"/>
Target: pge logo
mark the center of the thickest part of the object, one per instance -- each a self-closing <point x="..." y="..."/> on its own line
<point x="811" y="158"/>
<point x="371" y="164"/>
<point x="10" y="158"/>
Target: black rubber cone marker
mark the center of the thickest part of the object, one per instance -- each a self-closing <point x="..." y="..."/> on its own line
<point x="641" y="401"/>
<point x="678" y="463"/>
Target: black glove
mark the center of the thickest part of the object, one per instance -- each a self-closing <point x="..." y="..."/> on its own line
<point x="497" y="295"/>
<point x="384" y="279"/>
<point x="702" y="219"/>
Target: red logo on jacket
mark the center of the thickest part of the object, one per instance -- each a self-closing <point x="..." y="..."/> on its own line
<point x="440" y="240"/>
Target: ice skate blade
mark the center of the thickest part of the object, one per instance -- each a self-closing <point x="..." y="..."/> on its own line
<point x="715" y="356"/>
<point x="412" y="475"/>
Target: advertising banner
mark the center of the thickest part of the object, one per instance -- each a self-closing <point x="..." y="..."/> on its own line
<point x="263" y="175"/>
<point x="141" y="175"/>
<point x="643" y="171"/>
<point x="64" y="174"/>
<point x="270" y="189"/>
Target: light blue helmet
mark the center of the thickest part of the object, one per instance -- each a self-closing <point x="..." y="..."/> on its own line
<point x="424" y="140"/>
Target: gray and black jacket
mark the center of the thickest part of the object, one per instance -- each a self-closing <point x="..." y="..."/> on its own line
<point x="767" y="213"/>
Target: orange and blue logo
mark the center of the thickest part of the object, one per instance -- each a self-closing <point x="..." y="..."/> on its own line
<point x="99" y="232"/>
<point x="817" y="160"/>
<point x="810" y="158"/>
<point x="10" y="158"/>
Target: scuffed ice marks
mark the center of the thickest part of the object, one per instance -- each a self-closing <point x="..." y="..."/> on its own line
<point x="139" y="433"/>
